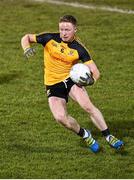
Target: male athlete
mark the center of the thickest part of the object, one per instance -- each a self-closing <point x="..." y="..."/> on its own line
<point x="61" y="51"/>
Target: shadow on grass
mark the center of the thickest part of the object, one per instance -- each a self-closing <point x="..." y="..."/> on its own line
<point x="6" y="78"/>
<point x="104" y="148"/>
<point x="118" y="128"/>
<point x="121" y="130"/>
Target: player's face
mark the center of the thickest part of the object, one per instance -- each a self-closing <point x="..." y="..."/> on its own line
<point x="67" y="31"/>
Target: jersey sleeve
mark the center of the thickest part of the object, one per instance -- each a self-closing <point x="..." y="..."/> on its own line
<point x="43" y="38"/>
<point x="84" y="55"/>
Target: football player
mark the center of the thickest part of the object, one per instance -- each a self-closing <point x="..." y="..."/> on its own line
<point x="61" y="51"/>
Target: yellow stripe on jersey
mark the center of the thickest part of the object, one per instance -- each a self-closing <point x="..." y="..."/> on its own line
<point x="35" y="38"/>
<point x="89" y="62"/>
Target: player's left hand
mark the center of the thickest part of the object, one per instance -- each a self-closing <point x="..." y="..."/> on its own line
<point x="28" y="52"/>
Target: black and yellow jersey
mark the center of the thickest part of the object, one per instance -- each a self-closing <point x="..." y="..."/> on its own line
<point x="59" y="56"/>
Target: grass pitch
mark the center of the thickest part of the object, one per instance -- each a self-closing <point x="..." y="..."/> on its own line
<point x="32" y="145"/>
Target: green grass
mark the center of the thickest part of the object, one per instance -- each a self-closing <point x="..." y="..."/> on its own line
<point x="32" y="145"/>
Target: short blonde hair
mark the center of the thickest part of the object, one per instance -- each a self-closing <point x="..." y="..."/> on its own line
<point x="68" y="18"/>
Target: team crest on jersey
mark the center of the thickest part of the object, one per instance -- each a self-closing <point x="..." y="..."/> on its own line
<point x="62" y="50"/>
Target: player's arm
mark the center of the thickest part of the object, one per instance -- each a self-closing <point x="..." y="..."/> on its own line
<point x="26" y="42"/>
<point x="93" y="68"/>
<point x="86" y="59"/>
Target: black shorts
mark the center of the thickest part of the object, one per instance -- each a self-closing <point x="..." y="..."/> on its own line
<point x="61" y="89"/>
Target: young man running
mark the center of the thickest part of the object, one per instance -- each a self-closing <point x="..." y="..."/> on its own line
<point x="61" y="51"/>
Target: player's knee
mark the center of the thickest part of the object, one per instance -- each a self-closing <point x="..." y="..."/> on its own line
<point x="60" y="118"/>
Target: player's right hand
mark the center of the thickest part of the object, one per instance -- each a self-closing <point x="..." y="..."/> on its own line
<point x="28" y="52"/>
<point x="86" y="81"/>
<point x="90" y="80"/>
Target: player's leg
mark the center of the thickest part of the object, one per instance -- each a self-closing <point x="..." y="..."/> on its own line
<point x="58" y="108"/>
<point x="79" y="94"/>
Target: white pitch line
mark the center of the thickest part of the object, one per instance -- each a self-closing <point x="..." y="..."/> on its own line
<point x="79" y="5"/>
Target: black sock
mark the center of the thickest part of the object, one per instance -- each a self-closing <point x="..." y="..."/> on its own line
<point x="105" y="132"/>
<point x="81" y="132"/>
